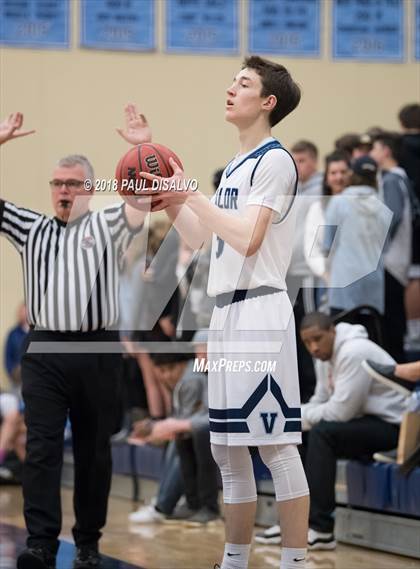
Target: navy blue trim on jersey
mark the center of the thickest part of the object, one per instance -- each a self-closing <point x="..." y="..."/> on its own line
<point x="256" y="154"/>
<point x="288" y="412"/>
<point x="246" y="409"/>
<point x="292" y="427"/>
<point x="244" y="412"/>
<point x="294" y="190"/>
<point x="237" y="427"/>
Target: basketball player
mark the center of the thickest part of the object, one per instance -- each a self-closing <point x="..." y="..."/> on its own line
<point x="250" y="220"/>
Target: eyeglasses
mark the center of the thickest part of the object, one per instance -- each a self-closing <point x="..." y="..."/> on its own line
<point x="70" y="184"/>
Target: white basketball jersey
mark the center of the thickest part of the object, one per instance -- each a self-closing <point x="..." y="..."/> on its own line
<point x="266" y="176"/>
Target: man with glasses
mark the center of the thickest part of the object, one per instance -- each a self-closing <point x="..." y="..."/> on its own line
<point x="71" y="270"/>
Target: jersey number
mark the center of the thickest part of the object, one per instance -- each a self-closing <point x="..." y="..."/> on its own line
<point x="220" y="247"/>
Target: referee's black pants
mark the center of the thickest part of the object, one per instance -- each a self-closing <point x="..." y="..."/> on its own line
<point x="85" y="388"/>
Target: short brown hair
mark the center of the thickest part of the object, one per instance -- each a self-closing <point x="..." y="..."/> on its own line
<point x="276" y="80"/>
<point x="409" y="116"/>
<point x="305" y="146"/>
<point x="391" y="140"/>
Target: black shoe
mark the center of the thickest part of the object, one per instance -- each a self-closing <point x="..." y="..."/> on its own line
<point x="87" y="557"/>
<point x="36" y="558"/>
<point x="386" y="375"/>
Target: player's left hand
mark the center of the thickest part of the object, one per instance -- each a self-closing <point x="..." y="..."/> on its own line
<point x="137" y="129"/>
<point x="10" y="128"/>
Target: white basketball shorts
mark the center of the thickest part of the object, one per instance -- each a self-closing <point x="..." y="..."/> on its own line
<point x="253" y="383"/>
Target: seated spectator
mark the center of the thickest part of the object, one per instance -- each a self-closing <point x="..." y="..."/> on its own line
<point x="357" y="224"/>
<point x="349" y="416"/>
<point x="14" y="348"/>
<point x="395" y="187"/>
<point x="171" y="486"/>
<point x="12" y="435"/>
<point x="404" y="378"/>
<point x="189" y="427"/>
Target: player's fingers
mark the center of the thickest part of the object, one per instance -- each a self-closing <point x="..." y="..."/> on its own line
<point x="132" y="111"/>
<point x="150" y="177"/>
<point x="143" y="118"/>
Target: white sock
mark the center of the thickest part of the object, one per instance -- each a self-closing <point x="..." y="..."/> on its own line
<point x="236" y="556"/>
<point x="292" y="558"/>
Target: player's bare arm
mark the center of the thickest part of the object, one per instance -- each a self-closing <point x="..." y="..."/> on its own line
<point x="10" y="128"/>
<point x="197" y="218"/>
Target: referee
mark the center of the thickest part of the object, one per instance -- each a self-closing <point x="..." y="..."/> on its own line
<point x="71" y="269"/>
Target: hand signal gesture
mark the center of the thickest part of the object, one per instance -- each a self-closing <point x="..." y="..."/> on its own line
<point x="10" y="128"/>
<point x="137" y="129"/>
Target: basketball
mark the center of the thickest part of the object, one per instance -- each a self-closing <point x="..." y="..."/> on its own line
<point x="147" y="157"/>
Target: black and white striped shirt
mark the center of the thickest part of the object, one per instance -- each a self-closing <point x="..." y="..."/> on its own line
<point x="71" y="270"/>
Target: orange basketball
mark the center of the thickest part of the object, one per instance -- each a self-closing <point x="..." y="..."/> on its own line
<point x="147" y="157"/>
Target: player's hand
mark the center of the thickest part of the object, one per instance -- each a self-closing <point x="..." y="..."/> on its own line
<point x="165" y="198"/>
<point x="10" y="128"/>
<point x="137" y="129"/>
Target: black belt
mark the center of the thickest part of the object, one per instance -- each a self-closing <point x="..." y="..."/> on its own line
<point x="244" y="293"/>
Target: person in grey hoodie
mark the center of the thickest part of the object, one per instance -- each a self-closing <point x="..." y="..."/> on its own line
<point x="357" y="224"/>
<point x="349" y="416"/>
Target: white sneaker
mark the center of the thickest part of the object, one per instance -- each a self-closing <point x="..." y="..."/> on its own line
<point x="319" y="540"/>
<point x="146" y="515"/>
<point x="270" y="536"/>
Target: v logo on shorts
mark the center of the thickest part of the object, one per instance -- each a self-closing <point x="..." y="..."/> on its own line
<point x="268" y="426"/>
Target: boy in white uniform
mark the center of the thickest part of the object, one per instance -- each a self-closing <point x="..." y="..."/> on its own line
<point x="251" y="222"/>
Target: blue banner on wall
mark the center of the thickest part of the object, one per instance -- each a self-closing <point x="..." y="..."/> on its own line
<point x="287" y="27"/>
<point x="34" y="23"/>
<point x="368" y="29"/>
<point x="118" y="24"/>
<point x="202" y="26"/>
<point x="417" y="31"/>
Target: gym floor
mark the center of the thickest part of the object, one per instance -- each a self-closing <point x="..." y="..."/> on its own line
<point x="164" y="546"/>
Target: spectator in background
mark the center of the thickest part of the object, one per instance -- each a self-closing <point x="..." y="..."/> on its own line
<point x="349" y="416"/>
<point x="14" y="348"/>
<point x="394" y="186"/>
<point x="201" y="303"/>
<point x="354" y="145"/>
<point x="347" y="143"/>
<point x="356" y="228"/>
<point x="12" y="434"/>
<point x="404" y="378"/>
<point x="409" y="117"/>
<point x="336" y="178"/>
<point x="363" y="147"/>
<point x="300" y="279"/>
<point x="189" y="427"/>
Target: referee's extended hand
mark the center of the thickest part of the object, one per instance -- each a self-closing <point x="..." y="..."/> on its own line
<point x="10" y="128"/>
<point x="137" y="129"/>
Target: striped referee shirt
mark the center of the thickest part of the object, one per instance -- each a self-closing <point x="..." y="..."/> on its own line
<point x="71" y="270"/>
